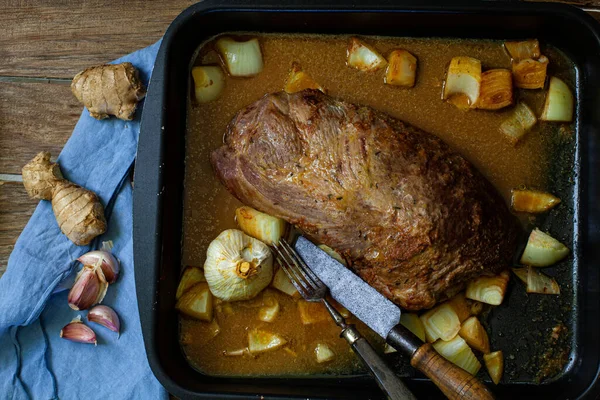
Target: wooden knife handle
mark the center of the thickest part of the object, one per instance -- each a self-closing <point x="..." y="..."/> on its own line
<point x="453" y="381"/>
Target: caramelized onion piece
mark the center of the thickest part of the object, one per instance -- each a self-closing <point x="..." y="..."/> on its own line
<point x="489" y="289"/>
<point x="496" y="90"/>
<point x="401" y="69"/>
<point x="463" y="82"/>
<point x="299" y="80"/>
<point x="518" y="123"/>
<point x="459" y="353"/>
<point x="538" y="282"/>
<point x="475" y="335"/>
<point x="440" y="322"/>
<point x="533" y="201"/>
<point x="530" y="74"/>
<point x="522" y="50"/>
<point x="559" y="102"/>
<point x="363" y="57"/>
<point x="543" y="250"/>
<point x="494" y="362"/>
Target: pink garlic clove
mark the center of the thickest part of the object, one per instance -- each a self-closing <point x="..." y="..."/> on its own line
<point x="85" y="290"/>
<point x="76" y="331"/>
<point x="106" y="317"/>
<point x="108" y="262"/>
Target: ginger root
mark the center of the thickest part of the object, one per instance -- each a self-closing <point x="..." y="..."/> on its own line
<point x="109" y="90"/>
<point x="78" y="211"/>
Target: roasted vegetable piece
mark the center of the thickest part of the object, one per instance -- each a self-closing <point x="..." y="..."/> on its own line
<point x="496" y="90"/>
<point x="260" y="341"/>
<point x="530" y="74"/>
<point x="413" y="323"/>
<point x="241" y="58"/>
<point x="522" y="50"/>
<point x="463" y="82"/>
<point x="78" y="211"/>
<point x="109" y="90"/>
<point x="488" y="289"/>
<point x="532" y="201"/>
<point x="519" y="122"/>
<point x="299" y="80"/>
<point x="333" y="254"/>
<point x="459" y="353"/>
<point x="440" y="322"/>
<point x="543" y="250"/>
<point x="282" y="283"/>
<point x="363" y="57"/>
<point x="521" y="273"/>
<point x="190" y="277"/>
<point x="475" y="335"/>
<point x="494" y="362"/>
<point x="268" y="312"/>
<point x="237" y="266"/>
<point x="401" y="69"/>
<point x="209" y="82"/>
<point x="538" y="282"/>
<point x="460" y="306"/>
<point x="259" y="225"/>
<point x="312" y="313"/>
<point x="197" y="302"/>
<point x="559" y="102"/>
<point x="323" y="353"/>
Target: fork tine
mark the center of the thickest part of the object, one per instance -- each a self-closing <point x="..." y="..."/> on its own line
<point x="305" y="268"/>
<point x="297" y="280"/>
<point x="299" y="267"/>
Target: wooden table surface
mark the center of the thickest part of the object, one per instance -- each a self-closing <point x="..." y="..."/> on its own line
<point x="43" y="44"/>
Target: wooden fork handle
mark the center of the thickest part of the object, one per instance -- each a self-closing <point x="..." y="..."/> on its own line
<point x="453" y="381"/>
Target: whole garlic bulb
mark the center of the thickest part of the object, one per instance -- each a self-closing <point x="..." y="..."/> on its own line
<point x="237" y="266"/>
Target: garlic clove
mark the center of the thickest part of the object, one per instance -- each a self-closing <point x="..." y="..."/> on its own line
<point x="109" y="263"/>
<point x="85" y="290"/>
<point x="105" y="316"/>
<point x="76" y="331"/>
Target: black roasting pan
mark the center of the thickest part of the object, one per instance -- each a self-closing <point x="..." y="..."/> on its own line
<point x="522" y="325"/>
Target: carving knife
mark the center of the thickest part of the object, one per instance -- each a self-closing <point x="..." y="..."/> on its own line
<point x="383" y="317"/>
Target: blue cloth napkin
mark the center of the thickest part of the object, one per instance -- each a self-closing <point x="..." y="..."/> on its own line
<point x="35" y="363"/>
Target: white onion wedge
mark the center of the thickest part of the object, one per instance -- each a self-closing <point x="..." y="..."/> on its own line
<point x="413" y="323"/>
<point x="459" y="353"/>
<point x="299" y="80"/>
<point x="522" y="50"/>
<point x="543" y="250"/>
<point x="209" y="82"/>
<point x="532" y="201"/>
<point x="530" y="74"/>
<point x="496" y="90"/>
<point x="494" y="362"/>
<point x="519" y="122"/>
<point x="463" y="82"/>
<point x="460" y="306"/>
<point x="241" y="58"/>
<point x="440" y="322"/>
<point x="537" y="282"/>
<point x="270" y="308"/>
<point x="282" y="283"/>
<point x="333" y="254"/>
<point x="323" y="353"/>
<point x="259" y="225"/>
<point x="260" y="341"/>
<point x="197" y="302"/>
<point x="190" y="277"/>
<point x="488" y="289"/>
<point x="401" y="69"/>
<point x="559" y="102"/>
<point x="363" y="57"/>
<point x="475" y="335"/>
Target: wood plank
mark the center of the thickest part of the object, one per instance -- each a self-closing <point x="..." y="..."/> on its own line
<point x="15" y="209"/>
<point x="60" y="38"/>
<point x="34" y="116"/>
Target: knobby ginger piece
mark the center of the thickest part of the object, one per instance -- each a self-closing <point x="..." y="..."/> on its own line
<point x="78" y="211"/>
<point x="109" y="90"/>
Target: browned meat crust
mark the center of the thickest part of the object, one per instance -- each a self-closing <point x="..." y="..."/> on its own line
<point x="414" y="219"/>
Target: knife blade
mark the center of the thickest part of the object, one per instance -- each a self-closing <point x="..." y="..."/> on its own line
<point x="366" y="303"/>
